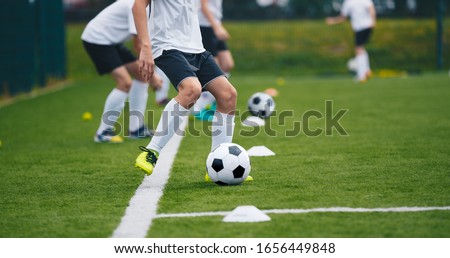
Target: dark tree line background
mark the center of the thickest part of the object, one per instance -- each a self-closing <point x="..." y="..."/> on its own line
<point x="295" y="9"/>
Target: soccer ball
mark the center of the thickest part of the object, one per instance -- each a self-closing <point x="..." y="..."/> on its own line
<point x="261" y="104"/>
<point x="228" y="164"/>
<point x="352" y="66"/>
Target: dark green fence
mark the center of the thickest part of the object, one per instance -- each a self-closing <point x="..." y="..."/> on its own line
<point x="32" y="46"/>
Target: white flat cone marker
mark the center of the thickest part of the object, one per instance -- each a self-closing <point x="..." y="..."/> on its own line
<point x="246" y="214"/>
<point x="254" y="121"/>
<point x="260" y="151"/>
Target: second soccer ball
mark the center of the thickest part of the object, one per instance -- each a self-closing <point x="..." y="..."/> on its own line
<point x="261" y="104"/>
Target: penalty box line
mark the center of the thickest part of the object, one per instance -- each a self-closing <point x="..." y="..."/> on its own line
<point x="297" y="211"/>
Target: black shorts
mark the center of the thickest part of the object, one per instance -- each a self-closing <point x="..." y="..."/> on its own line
<point x="106" y="58"/>
<point x="211" y="42"/>
<point x="362" y="37"/>
<point x="178" y="66"/>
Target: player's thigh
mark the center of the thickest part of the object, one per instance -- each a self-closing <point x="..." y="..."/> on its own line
<point x="106" y="58"/>
<point x="133" y="69"/>
<point x="225" y="60"/>
<point x="175" y="66"/>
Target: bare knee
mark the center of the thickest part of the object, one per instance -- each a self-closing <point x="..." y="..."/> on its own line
<point x="188" y="93"/>
<point x="227" y="100"/>
<point x="360" y="51"/>
<point x="124" y="85"/>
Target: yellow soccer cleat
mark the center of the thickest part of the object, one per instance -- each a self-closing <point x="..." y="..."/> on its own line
<point x="146" y="161"/>
<point x="208" y="179"/>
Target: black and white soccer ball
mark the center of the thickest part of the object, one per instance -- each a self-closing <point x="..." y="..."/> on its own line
<point x="352" y="66"/>
<point x="228" y="164"/>
<point x="261" y="104"/>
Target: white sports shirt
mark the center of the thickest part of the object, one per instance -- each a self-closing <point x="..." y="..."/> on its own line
<point x="174" y="25"/>
<point x="358" y="11"/>
<point x="215" y="6"/>
<point x="113" y="25"/>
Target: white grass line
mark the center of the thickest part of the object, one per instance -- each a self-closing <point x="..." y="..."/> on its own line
<point x="143" y="205"/>
<point x="292" y="211"/>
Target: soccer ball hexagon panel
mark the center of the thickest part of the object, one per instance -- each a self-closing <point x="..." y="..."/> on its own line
<point x="228" y="164"/>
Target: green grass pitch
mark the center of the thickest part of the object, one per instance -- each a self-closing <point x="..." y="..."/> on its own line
<point x="56" y="182"/>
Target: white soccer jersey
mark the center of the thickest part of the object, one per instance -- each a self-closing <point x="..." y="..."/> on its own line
<point x="174" y="25"/>
<point x="113" y="25"/>
<point x="215" y="6"/>
<point x="358" y="11"/>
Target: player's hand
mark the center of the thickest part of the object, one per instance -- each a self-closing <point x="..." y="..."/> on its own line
<point x="156" y="82"/>
<point x="221" y="33"/>
<point x="146" y="63"/>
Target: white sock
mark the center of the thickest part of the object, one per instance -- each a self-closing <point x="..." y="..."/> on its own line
<point x="162" y="93"/>
<point x="360" y="67"/>
<point x="113" y="108"/>
<point x="222" y="129"/>
<point x="171" y="119"/>
<point x="138" y="103"/>
<point x="366" y="61"/>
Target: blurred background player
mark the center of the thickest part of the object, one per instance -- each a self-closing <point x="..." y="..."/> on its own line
<point x="362" y="15"/>
<point x="214" y="37"/>
<point x="176" y="47"/>
<point x="103" y="39"/>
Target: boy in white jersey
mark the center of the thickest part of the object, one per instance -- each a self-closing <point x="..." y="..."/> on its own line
<point x="176" y="47"/>
<point x="103" y="40"/>
<point x="362" y="14"/>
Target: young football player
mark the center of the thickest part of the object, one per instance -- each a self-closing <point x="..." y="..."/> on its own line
<point x="362" y="15"/>
<point x="176" y="47"/>
<point x="103" y="39"/>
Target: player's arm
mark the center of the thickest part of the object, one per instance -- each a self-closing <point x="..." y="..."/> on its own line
<point x="373" y="14"/>
<point x="335" y="20"/>
<point x="219" y="30"/>
<point x="156" y="80"/>
<point x="146" y="62"/>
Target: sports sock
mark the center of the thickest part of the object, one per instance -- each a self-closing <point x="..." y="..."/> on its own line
<point x="162" y="93"/>
<point x="138" y="102"/>
<point x="222" y="129"/>
<point x="360" y="67"/>
<point x="113" y="107"/>
<point x="170" y="122"/>
<point x="366" y="61"/>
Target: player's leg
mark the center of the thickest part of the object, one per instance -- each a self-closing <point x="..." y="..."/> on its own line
<point x="138" y="97"/>
<point x="226" y="61"/>
<point x="224" y="57"/>
<point x="175" y="114"/>
<point x="366" y="55"/>
<point x="162" y="94"/>
<point x="223" y="121"/>
<point x="113" y="106"/>
<point x="362" y="58"/>
<point x="361" y="69"/>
